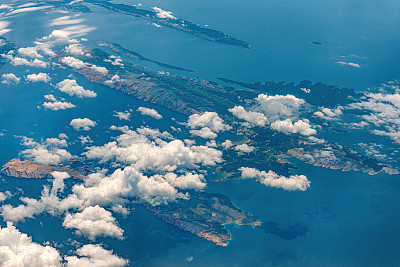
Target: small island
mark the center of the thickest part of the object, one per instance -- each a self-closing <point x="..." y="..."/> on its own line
<point x="32" y="170"/>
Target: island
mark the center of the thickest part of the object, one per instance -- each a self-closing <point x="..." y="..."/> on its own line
<point x="172" y="22"/>
<point x="132" y="54"/>
<point x="32" y="170"/>
<point x="205" y="215"/>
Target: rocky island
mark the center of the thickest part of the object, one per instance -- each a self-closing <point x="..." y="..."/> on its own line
<point x="32" y="170"/>
<point x="205" y="215"/>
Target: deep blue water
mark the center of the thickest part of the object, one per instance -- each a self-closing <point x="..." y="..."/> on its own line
<point x="344" y="219"/>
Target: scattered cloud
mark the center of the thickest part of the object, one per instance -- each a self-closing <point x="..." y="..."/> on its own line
<point x="72" y="88"/>
<point x="271" y="179"/>
<point x="287" y="126"/>
<point x="10" y="79"/>
<point x="40" y="77"/>
<point x="255" y="118"/>
<point x="207" y="125"/>
<point x="350" y="64"/>
<point x="123" y="115"/>
<point x="149" y="112"/>
<point x="82" y="124"/>
<point x="163" y="14"/>
<point x="94" y="222"/>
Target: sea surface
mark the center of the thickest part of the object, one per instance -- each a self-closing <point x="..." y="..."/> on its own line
<point x="344" y="219"/>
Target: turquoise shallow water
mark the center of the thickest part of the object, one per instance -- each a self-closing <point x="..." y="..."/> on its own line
<point x="344" y="219"/>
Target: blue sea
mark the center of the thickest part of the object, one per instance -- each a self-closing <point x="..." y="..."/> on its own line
<point x="344" y="219"/>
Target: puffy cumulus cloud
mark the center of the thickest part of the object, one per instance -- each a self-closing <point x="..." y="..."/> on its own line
<point x="73" y="62"/>
<point x="123" y="115"/>
<point x="10" y="78"/>
<point x="94" y="256"/>
<point x="163" y="14"/>
<point x="205" y="133"/>
<point x="75" y="50"/>
<point x="186" y="181"/>
<point x="82" y="124"/>
<point x="244" y="148"/>
<point x="94" y="222"/>
<point x="72" y="88"/>
<point x="48" y="152"/>
<point x="116" y="188"/>
<point x="4" y="196"/>
<point x="271" y="179"/>
<point x="40" y="77"/>
<point x="350" y="64"/>
<point x="115" y="60"/>
<point x="255" y="118"/>
<point x="58" y="105"/>
<point x="102" y="70"/>
<point x="146" y="153"/>
<point x="329" y="114"/>
<point x="114" y="79"/>
<point x="29" y="52"/>
<point x="206" y="125"/>
<point x="19" y="61"/>
<point x="149" y="112"/>
<point x="287" y="126"/>
<point x="381" y="111"/>
<point x="278" y="106"/>
<point x="18" y="249"/>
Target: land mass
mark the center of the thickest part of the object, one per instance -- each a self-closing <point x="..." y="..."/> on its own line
<point x="30" y="169"/>
<point x="172" y="22"/>
<point x="132" y="54"/>
<point x="205" y="215"/>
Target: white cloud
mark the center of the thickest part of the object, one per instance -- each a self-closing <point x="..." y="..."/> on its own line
<point x="56" y="105"/>
<point x="278" y="106"/>
<point x="72" y="88"/>
<point x="85" y="140"/>
<point x="329" y="114"/>
<point x="351" y="64"/>
<point x="48" y="152"/>
<point x="75" y="50"/>
<point x="123" y="115"/>
<point x="271" y="179"/>
<point x="163" y="14"/>
<point x="65" y="20"/>
<point x="82" y="124"/>
<point x="18" y="61"/>
<point x="40" y="77"/>
<point x="255" y="118"/>
<point x="29" y="52"/>
<point x="28" y="9"/>
<point x="381" y="110"/>
<point x="18" y="249"/>
<point x="73" y="62"/>
<point x="206" y="125"/>
<point x="244" y="148"/>
<point x="3" y="27"/>
<point x="287" y="126"/>
<point x="94" y="222"/>
<point x="10" y="79"/>
<point x="102" y="70"/>
<point x="95" y="256"/>
<point x="143" y="153"/>
<point x="149" y="112"/>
